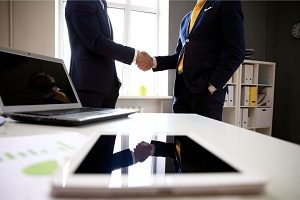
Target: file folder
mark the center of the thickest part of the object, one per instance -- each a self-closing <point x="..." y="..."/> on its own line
<point x="253" y="96"/>
<point x="247" y="75"/>
<point x="245" y="117"/>
<point x="230" y="95"/>
<point x="240" y="117"/>
<point x="226" y="100"/>
<point x="245" y="95"/>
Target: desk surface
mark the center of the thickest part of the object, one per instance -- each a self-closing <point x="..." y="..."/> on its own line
<point x="276" y="159"/>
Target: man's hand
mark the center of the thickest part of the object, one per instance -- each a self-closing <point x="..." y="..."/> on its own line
<point x="142" y="151"/>
<point x="144" y="61"/>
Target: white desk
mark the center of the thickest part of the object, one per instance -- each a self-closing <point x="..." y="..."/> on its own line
<point x="277" y="159"/>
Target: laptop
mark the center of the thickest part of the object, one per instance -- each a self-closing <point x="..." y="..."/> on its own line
<point x="38" y="89"/>
<point x="116" y="164"/>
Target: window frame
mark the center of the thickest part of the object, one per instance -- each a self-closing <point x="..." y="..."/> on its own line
<point x="161" y="10"/>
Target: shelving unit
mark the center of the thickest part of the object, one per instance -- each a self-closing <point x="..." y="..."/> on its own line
<point x="251" y="94"/>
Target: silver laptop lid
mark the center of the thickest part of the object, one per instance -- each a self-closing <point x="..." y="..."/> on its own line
<point x="32" y="82"/>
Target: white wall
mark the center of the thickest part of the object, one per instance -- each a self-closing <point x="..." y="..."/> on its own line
<point x="178" y="9"/>
<point x="32" y="28"/>
<point x="4" y="23"/>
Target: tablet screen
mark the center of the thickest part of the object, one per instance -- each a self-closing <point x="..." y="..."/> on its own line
<point x="157" y="154"/>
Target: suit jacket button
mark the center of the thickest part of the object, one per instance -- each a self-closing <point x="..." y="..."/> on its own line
<point x="187" y="40"/>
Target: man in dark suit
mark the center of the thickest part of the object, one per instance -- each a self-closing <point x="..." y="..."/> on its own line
<point x="187" y="155"/>
<point x="93" y="53"/>
<point x="210" y="49"/>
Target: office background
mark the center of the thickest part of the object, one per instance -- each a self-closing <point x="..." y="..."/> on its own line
<point x="30" y="25"/>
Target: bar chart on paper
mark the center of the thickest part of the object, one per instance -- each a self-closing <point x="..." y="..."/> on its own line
<point x="45" y="167"/>
<point x="36" y="155"/>
<point x="24" y="158"/>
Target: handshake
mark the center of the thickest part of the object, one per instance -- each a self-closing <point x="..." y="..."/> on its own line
<point x="144" y="61"/>
<point x="142" y="151"/>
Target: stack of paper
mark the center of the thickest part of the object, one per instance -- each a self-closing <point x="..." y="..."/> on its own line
<point x="265" y="97"/>
<point x="27" y="162"/>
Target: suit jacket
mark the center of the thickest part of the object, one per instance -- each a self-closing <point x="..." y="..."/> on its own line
<point x="214" y="48"/>
<point x="191" y="157"/>
<point x="92" y="48"/>
<point x="168" y="150"/>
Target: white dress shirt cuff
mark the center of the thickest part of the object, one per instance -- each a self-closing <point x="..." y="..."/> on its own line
<point x="135" y="56"/>
<point x="154" y="62"/>
<point x="133" y="158"/>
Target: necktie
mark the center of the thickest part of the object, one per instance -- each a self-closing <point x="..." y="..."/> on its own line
<point x="195" y="13"/>
<point x="194" y="16"/>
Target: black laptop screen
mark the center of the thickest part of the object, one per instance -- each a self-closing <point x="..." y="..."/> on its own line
<point x="30" y="81"/>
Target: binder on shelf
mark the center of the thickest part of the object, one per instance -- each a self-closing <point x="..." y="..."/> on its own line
<point x="240" y="118"/>
<point x="252" y="96"/>
<point x="230" y="95"/>
<point x="245" y="117"/>
<point x="226" y="100"/>
<point x="247" y="75"/>
<point x="251" y="118"/>
<point x="245" y="95"/>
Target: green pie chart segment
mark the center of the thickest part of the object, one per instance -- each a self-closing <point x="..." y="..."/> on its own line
<point x="41" y="168"/>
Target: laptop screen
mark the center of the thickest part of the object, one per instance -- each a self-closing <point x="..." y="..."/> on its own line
<point x="28" y="80"/>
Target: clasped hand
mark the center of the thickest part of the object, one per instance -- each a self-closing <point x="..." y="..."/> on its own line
<point x="144" y="61"/>
<point x="142" y="151"/>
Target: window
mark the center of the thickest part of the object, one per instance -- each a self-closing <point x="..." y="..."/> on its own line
<point x="141" y="24"/>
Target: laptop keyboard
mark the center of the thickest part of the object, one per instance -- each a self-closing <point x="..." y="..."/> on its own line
<point x="73" y="111"/>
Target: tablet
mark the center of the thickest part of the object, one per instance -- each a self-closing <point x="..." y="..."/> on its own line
<point x="155" y="164"/>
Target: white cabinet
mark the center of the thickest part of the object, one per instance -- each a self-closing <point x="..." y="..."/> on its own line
<point x="251" y="89"/>
<point x="148" y="104"/>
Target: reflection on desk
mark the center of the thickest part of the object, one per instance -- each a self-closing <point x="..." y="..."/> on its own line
<point x="191" y="158"/>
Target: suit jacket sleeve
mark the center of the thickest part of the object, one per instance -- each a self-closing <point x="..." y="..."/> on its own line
<point x="121" y="159"/>
<point x="168" y="62"/>
<point x="163" y="149"/>
<point x="233" y="43"/>
<point x="87" y="21"/>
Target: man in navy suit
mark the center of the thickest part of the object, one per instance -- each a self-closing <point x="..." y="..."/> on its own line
<point x="93" y="53"/>
<point x="209" y="51"/>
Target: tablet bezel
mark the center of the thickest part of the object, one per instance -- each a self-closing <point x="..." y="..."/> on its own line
<point x="246" y="181"/>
